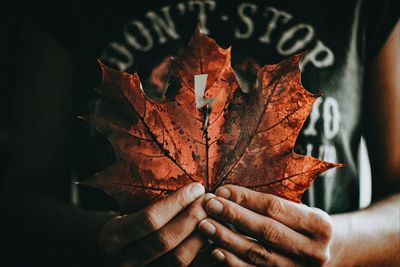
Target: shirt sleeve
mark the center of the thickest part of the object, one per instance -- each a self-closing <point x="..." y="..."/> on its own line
<point x="380" y="18"/>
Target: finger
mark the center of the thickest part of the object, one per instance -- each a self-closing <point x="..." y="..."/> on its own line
<point x="126" y="229"/>
<point x="248" y="250"/>
<point x="297" y="216"/>
<point x="264" y="229"/>
<point x="184" y="253"/>
<point x="228" y="258"/>
<point x="171" y="235"/>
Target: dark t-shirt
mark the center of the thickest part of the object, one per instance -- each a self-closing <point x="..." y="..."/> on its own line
<point x="339" y="38"/>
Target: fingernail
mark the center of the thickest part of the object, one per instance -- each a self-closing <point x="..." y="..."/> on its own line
<point x="207" y="227"/>
<point x="196" y="190"/>
<point x="214" y="206"/>
<point x="218" y="255"/>
<point x="223" y="192"/>
<point x="207" y="197"/>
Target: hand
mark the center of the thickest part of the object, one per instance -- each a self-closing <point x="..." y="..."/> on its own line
<point x="285" y="233"/>
<point x="162" y="229"/>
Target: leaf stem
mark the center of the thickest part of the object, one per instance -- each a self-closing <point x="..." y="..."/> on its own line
<point x="206" y="114"/>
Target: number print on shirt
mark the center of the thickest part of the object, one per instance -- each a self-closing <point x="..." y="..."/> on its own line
<point x="326" y="112"/>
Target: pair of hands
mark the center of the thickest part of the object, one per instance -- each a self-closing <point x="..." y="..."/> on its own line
<point x="174" y="231"/>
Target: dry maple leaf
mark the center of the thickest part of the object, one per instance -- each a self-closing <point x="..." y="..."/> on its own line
<point x="239" y="138"/>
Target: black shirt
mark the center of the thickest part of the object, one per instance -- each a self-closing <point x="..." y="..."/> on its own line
<point x="339" y="38"/>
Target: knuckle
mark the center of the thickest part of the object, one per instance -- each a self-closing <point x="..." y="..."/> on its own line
<point x="232" y="213"/>
<point x="183" y="199"/>
<point x="109" y="239"/>
<point x="322" y="257"/>
<point x="237" y="196"/>
<point x="270" y="233"/>
<point x="180" y="259"/>
<point x="196" y="214"/>
<point x="151" y="220"/>
<point x="322" y="222"/>
<point x="161" y="242"/>
<point x="224" y="240"/>
<point x="259" y="256"/>
<point x="318" y="254"/>
<point x="110" y="243"/>
<point x="274" y="205"/>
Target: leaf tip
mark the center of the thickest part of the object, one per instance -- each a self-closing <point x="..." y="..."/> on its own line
<point x="99" y="61"/>
<point x="199" y="30"/>
<point x="339" y="165"/>
<point x="103" y="67"/>
<point x="86" y="118"/>
<point x="331" y="165"/>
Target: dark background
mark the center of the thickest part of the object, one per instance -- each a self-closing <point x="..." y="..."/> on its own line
<point x="9" y="35"/>
<point x="10" y="17"/>
<point x="9" y="22"/>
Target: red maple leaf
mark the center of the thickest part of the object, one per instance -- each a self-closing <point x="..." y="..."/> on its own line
<point x="227" y="136"/>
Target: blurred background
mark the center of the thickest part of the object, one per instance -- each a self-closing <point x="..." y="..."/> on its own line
<point x="9" y="33"/>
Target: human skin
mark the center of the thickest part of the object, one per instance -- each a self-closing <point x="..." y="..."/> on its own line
<point x="291" y="234"/>
<point x="141" y="237"/>
<point x="34" y="188"/>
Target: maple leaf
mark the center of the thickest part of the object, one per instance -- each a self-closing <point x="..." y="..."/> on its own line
<point x="227" y="136"/>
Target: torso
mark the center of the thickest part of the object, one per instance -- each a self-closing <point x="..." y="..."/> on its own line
<point x="142" y="35"/>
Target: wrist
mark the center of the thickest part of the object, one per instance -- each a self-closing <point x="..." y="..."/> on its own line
<point x="342" y="225"/>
